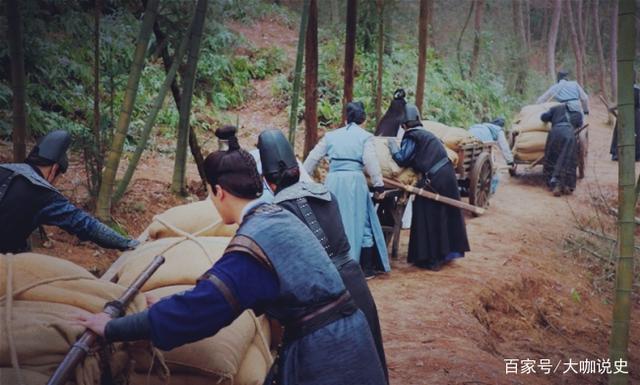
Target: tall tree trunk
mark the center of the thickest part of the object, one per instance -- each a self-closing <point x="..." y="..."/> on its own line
<point x="587" y="22"/>
<point x="546" y="20"/>
<point x="16" y="53"/>
<point x="422" y="53"/>
<point x="380" y="63"/>
<point x="194" y="146"/>
<point x="153" y="114"/>
<point x="459" y="43"/>
<point x="103" y="209"/>
<point x="293" y="114"/>
<point x="553" y="39"/>
<point x="619" y="344"/>
<point x="388" y="21"/>
<point x="349" y="53"/>
<point x="431" y="41"/>
<point x="476" y="39"/>
<point x="94" y="154"/>
<point x="335" y="12"/>
<point x="575" y="42"/>
<point x="195" y="37"/>
<point x="527" y="22"/>
<point x="598" y="37"/>
<point x="580" y="30"/>
<point x="613" y="56"/>
<point x="523" y="57"/>
<point x="311" y="80"/>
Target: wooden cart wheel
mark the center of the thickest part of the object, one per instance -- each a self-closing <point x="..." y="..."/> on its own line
<point x="583" y="151"/>
<point x="480" y="181"/>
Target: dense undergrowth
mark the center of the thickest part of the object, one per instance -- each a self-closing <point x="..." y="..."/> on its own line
<point x="59" y="66"/>
<point x="59" y="56"/>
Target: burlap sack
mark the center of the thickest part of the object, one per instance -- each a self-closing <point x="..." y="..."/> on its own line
<point x="37" y="277"/>
<point x="190" y="218"/>
<point x="528" y="156"/>
<point x="528" y="119"/>
<point x="258" y="359"/>
<point x="42" y="335"/>
<point x="530" y="141"/>
<point x="218" y="357"/>
<point x="8" y="376"/>
<point x="452" y="155"/>
<point x="176" y="379"/>
<point x="453" y="137"/>
<point x="185" y="260"/>
<point x="389" y="167"/>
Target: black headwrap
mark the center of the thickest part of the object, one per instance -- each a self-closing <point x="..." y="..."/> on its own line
<point x="355" y="112"/>
<point x="561" y="75"/>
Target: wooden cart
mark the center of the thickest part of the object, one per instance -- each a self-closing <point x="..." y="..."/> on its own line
<point x="582" y="136"/>
<point x="474" y="173"/>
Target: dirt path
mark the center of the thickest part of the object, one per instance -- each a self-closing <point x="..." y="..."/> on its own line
<point x="262" y="109"/>
<point x="514" y="296"/>
<point x="510" y="298"/>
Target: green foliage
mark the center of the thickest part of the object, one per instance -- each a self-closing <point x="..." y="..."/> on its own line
<point x="250" y="10"/>
<point x="449" y="99"/>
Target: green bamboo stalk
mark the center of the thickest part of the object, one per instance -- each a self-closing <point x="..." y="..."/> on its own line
<point x="103" y="209"/>
<point x="16" y="54"/>
<point x="619" y="343"/>
<point x="380" y="61"/>
<point x="189" y="78"/>
<point x="293" y="115"/>
<point x="151" y="118"/>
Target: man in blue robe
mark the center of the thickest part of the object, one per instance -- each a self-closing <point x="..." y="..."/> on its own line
<point x="570" y="93"/>
<point x="351" y="151"/>
<point x="273" y="265"/>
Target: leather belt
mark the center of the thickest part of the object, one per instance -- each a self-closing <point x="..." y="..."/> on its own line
<point x="339" y="308"/>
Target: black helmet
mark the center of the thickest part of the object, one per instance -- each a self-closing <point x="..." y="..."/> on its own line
<point x="52" y="148"/>
<point x="411" y="113"/>
<point x="276" y="154"/>
<point x="355" y="112"/>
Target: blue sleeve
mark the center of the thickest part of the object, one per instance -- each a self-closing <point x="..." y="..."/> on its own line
<point x="202" y="311"/>
<point x="60" y="212"/>
<point x="406" y="154"/>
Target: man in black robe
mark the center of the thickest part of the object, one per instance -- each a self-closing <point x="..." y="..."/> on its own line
<point x="560" y="151"/>
<point x="317" y="207"/>
<point x="438" y="233"/>
<point x="636" y="110"/>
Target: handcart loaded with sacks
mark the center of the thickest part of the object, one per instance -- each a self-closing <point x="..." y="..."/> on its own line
<point x="528" y="137"/>
<point x="473" y="163"/>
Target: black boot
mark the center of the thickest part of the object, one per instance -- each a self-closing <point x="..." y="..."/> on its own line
<point x="366" y="262"/>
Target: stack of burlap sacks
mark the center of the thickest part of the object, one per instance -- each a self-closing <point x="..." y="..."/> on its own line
<point x="238" y="354"/>
<point x="453" y="138"/>
<point x="530" y="132"/>
<point x="38" y="296"/>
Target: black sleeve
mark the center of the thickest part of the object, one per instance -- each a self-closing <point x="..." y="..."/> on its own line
<point x="133" y="327"/>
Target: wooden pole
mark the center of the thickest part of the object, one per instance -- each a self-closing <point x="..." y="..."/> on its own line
<point x="311" y="80"/>
<point x="436" y="197"/>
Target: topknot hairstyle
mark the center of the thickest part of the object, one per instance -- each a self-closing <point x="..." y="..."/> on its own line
<point x="233" y="168"/>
